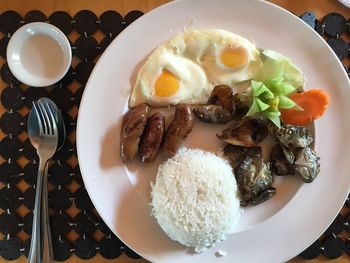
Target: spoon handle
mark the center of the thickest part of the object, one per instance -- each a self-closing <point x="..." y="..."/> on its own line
<point x="48" y="255"/>
<point x="35" y="255"/>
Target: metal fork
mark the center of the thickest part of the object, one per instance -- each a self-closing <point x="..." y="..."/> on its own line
<point x="46" y="144"/>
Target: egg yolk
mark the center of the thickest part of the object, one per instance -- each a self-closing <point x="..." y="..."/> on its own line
<point x="234" y="58"/>
<point x="166" y="84"/>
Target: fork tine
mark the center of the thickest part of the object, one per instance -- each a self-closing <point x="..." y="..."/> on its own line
<point x="52" y="118"/>
<point x="40" y="117"/>
<point x="47" y="122"/>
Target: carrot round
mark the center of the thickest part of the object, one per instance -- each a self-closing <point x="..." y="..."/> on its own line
<point x="314" y="103"/>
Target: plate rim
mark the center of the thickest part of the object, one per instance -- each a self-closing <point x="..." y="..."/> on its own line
<point x="159" y="9"/>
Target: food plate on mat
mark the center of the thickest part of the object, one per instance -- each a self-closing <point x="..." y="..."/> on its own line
<point x="121" y="191"/>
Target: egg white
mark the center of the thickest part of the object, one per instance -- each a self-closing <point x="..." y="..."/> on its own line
<point x="205" y="48"/>
<point x="193" y="83"/>
<point x="193" y="57"/>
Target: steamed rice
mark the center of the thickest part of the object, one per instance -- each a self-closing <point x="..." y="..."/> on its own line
<point x="194" y="198"/>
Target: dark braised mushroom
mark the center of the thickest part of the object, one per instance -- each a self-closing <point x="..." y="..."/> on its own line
<point x="294" y="136"/>
<point x="222" y="96"/>
<point x="293" y="155"/>
<point x="242" y="109"/>
<point x="222" y="106"/>
<point x="263" y="196"/>
<point x="236" y="154"/>
<point x="280" y="165"/>
<point x="212" y="114"/>
<point x="272" y="128"/>
<point x="253" y="175"/>
<point x="254" y="179"/>
<point x="289" y="154"/>
<point x="249" y="132"/>
<point x="307" y="164"/>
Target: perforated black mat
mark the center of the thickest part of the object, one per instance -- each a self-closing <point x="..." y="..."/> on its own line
<point x="20" y="159"/>
<point x="18" y="169"/>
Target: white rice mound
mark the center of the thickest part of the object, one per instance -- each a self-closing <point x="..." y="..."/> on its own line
<point x="194" y="198"/>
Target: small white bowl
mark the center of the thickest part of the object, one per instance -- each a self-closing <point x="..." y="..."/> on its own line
<point x="39" y="54"/>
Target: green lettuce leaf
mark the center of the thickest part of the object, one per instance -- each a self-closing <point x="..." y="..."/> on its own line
<point x="276" y="66"/>
<point x="269" y="91"/>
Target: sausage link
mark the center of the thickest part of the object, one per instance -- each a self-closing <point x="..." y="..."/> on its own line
<point x="133" y="125"/>
<point x="152" y="138"/>
<point x="178" y="129"/>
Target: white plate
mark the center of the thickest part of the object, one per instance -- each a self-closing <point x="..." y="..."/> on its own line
<point x="278" y="229"/>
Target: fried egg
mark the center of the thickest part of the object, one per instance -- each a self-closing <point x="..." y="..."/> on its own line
<point x="186" y="68"/>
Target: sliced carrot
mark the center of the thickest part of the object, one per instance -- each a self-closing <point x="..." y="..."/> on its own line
<point x="314" y="103"/>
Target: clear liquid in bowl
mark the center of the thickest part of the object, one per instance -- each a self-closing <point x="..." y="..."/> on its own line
<point x="42" y="56"/>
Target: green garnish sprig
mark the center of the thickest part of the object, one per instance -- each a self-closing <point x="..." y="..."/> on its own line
<point x="274" y="83"/>
<point x="267" y="98"/>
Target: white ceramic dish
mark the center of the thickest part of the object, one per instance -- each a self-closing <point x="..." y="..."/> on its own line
<point x="39" y="54"/>
<point x="274" y="231"/>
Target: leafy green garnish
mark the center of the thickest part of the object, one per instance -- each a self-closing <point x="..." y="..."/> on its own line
<point x="277" y="66"/>
<point x="274" y="82"/>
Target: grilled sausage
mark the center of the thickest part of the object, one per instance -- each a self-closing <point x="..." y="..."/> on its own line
<point x="152" y="138"/>
<point x="178" y="129"/>
<point x="133" y="125"/>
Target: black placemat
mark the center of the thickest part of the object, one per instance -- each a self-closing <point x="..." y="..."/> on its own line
<point x="335" y="241"/>
<point x="16" y="98"/>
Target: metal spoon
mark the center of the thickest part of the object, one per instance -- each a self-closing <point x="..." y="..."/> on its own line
<point x="46" y="249"/>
